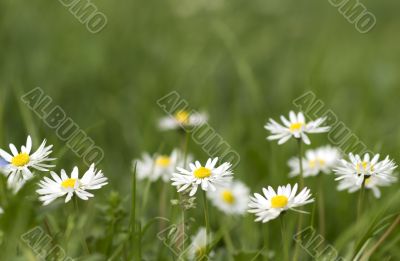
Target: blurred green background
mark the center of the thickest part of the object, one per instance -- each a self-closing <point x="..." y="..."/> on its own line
<point x="240" y="61"/>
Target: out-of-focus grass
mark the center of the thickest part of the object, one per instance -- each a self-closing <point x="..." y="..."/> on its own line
<point x="241" y="61"/>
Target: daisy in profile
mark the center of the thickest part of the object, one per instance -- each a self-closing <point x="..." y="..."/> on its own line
<point x="182" y="119"/>
<point x="364" y="168"/>
<point x="206" y="177"/>
<point x="231" y="199"/>
<point x="320" y="160"/>
<point x="198" y="247"/>
<point x="20" y="163"/>
<point x="270" y="205"/>
<point x="59" y="186"/>
<point x="159" y="165"/>
<point x="373" y="183"/>
<point x="296" y="127"/>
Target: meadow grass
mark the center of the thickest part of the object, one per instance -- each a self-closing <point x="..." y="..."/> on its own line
<point x="242" y="63"/>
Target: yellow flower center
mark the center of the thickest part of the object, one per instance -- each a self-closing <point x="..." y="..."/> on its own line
<point x="363" y="166"/>
<point x="20" y="160"/>
<point x="202" y="173"/>
<point x="296" y="126"/>
<point x="201" y="252"/>
<point x="163" y="161"/>
<point x="182" y="117"/>
<point x="68" y="183"/>
<point x="314" y="163"/>
<point x="279" y="201"/>
<point x="228" y="197"/>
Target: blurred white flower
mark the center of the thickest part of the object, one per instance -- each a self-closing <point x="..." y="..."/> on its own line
<point x="207" y="177"/>
<point x="272" y="204"/>
<point x="361" y="169"/>
<point x="19" y="164"/>
<point x="160" y="165"/>
<point x="197" y="248"/>
<point x="296" y="127"/>
<point x="231" y="199"/>
<point x="373" y="183"/>
<point x="182" y="119"/>
<point x="322" y="159"/>
<point x="59" y="186"/>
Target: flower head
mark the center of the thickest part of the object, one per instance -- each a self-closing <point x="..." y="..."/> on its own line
<point x="59" y="186"/>
<point x="270" y="205"/>
<point x="361" y="169"/>
<point x="296" y="127"/>
<point x="231" y="199"/>
<point x="373" y="183"/>
<point x="19" y="163"/>
<point x="320" y="160"/>
<point x="159" y="165"/>
<point x="206" y="176"/>
<point x="181" y="119"/>
<point x="197" y="248"/>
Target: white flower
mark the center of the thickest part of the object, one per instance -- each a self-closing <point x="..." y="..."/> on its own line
<point x="364" y="168"/>
<point x="373" y="183"/>
<point x="19" y="163"/>
<point x="322" y="159"/>
<point x="159" y="165"/>
<point x="207" y="177"/>
<point x="51" y="189"/>
<point x="182" y="119"/>
<point x="231" y="199"/>
<point x="272" y="204"/>
<point x="1" y="210"/>
<point x="297" y="127"/>
<point x="197" y="248"/>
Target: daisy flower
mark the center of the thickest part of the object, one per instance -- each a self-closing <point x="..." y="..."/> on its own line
<point x="207" y="177"/>
<point x="231" y="199"/>
<point x="19" y="164"/>
<point x="296" y="127"/>
<point x="365" y="168"/>
<point x="373" y="183"/>
<point x="198" y="247"/>
<point x="59" y="186"/>
<point x="159" y="165"/>
<point x="182" y="119"/>
<point x="320" y="160"/>
<point x="272" y="204"/>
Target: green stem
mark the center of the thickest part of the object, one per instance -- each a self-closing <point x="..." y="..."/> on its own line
<point x="284" y="241"/>
<point x="83" y="240"/>
<point x="301" y="181"/>
<point x="266" y="242"/>
<point x="225" y="224"/>
<point x="206" y="219"/>
<point x="361" y="200"/>
<point x="321" y="206"/>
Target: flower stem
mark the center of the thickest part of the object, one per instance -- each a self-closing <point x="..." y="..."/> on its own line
<point x="266" y="242"/>
<point x="301" y="181"/>
<point x="361" y="200"/>
<point x="206" y="219"/>
<point x="83" y="240"/>
<point x="300" y="156"/>
<point x="321" y="206"/>
<point x="284" y="241"/>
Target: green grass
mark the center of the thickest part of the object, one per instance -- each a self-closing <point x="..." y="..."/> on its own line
<point x="242" y="62"/>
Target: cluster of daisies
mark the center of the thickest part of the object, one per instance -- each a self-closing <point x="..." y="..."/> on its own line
<point x="22" y="165"/>
<point x="232" y="197"/>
